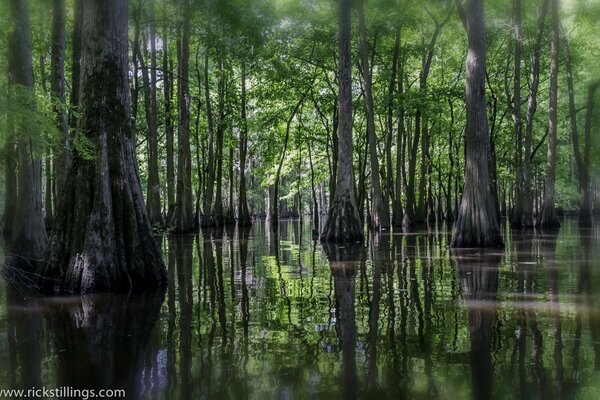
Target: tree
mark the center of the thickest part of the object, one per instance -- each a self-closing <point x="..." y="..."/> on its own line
<point x="57" y="83"/>
<point x="547" y="218"/>
<point x="343" y="222"/>
<point x="476" y="225"/>
<point x="153" y="186"/>
<point x="183" y="215"/>
<point x="243" y="213"/>
<point x="28" y="230"/>
<point x="380" y="217"/>
<point x="103" y="240"/>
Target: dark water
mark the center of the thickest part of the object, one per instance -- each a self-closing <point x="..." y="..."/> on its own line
<point x="248" y="315"/>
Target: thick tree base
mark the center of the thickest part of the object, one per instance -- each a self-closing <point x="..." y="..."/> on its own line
<point x="343" y="223"/>
<point x="468" y="234"/>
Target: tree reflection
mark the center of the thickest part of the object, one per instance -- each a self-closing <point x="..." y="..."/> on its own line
<point x="478" y="274"/>
<point x="101" y="340"/>
<point x="344" y="261"/>
<point x="25" y="334"/>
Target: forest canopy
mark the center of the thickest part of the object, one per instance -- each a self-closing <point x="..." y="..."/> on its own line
<point x="234" y="108"/>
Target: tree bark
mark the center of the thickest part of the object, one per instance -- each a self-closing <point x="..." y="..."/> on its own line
<point x="548" y="218"/>
<point x="582" y="156"/>
<point x="29" y="231"/>
<point x="183" y="215"/>
<point x="153" y="184"/>
<point x="217" y="215"/>
<point x="243" y="213"/>
<point x="517" y="213"/>
<point x="57" y="86"/>
<point x="210" y="164"/>
<point x="343" y="221"/>
<point x="103" y="240"/>
<point x="168" y="96"/>
<point x="380" y="218"/>
<point x="476" y="225"/>
<point x="526" y="207"/>
<point x="75" y="62"/>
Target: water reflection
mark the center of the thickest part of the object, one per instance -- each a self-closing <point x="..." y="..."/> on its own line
<point x="264" y="314"/>
<point x="478" y="274"/>
<point x="95" y="342"/>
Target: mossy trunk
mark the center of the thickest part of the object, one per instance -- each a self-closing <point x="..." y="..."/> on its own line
<point x="103" y="240"/>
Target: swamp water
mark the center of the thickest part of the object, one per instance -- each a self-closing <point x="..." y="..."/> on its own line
<point x="268" y="316"/>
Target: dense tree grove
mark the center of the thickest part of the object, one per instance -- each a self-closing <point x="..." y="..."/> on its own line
<point x="176" y="115"/>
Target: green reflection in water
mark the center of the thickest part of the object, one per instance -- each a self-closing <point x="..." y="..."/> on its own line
<point x="258" y="314"/>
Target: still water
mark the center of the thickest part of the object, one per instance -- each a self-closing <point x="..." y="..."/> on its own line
<point x="267" y="315"/>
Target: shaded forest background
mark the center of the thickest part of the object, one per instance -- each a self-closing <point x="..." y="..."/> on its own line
<point x="237" y="101"/>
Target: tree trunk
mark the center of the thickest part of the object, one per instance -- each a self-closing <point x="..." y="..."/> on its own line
<point x="75" y="62"/>
<point x="29" y="232"/>
<point x="476" y="225"/>
<point x="582" y="156"/>
<point x="534" y="80"/>
<point x="153" y="186"/>
<point x="380" y="218"/>
<point x="398" y="214"/>
<point x="547" y="218"/>
<point x="217" y="216"/>
<point x="343" y="221"/>
<point x="183" y="215"/>
<point x="243" y="213"/>
<point x="57" y="86"/>
<point x="517" y="213"/>
<point x="168" y="96"/>
<point x="210" y="164"/>
<point x="103" y="240"/>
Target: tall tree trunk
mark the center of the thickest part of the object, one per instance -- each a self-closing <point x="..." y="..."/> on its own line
<point x="57" y="86"/>
<point x="168" y="96"/>
<point x="582" y="156"/>
<point x="183" y="216"/>
<point x="398" y="213"/>
<point x="210" y="164"/>
<point x="29" y="232"/>
<point x="243" y="213"/>
<point x="517" y="213"/>
<point x="75" y="62"/>
<point x="476" y="225"/>
<point x="217" y="215"/>
<point x="153" y="186"/>
<point x="534" y="80"/>
<point x="10" y="174"/>
<point x="380" y="218"/>
<point x="548" y="218"/>
<point x="343" y="221"/>
<point x="416" y="213"/>
<point x="103" y="240"/>
<point x="395" y="191"/>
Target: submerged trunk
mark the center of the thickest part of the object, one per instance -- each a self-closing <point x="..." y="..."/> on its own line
<point x="476" y="225"/>
<point x="29" y="232"/>
<point x="548" y="218"/>
<point x="217" y="216"/>
<point x="103" y="239"/>
<point x="343" y="222"/>
<point x="380" y="218"/>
